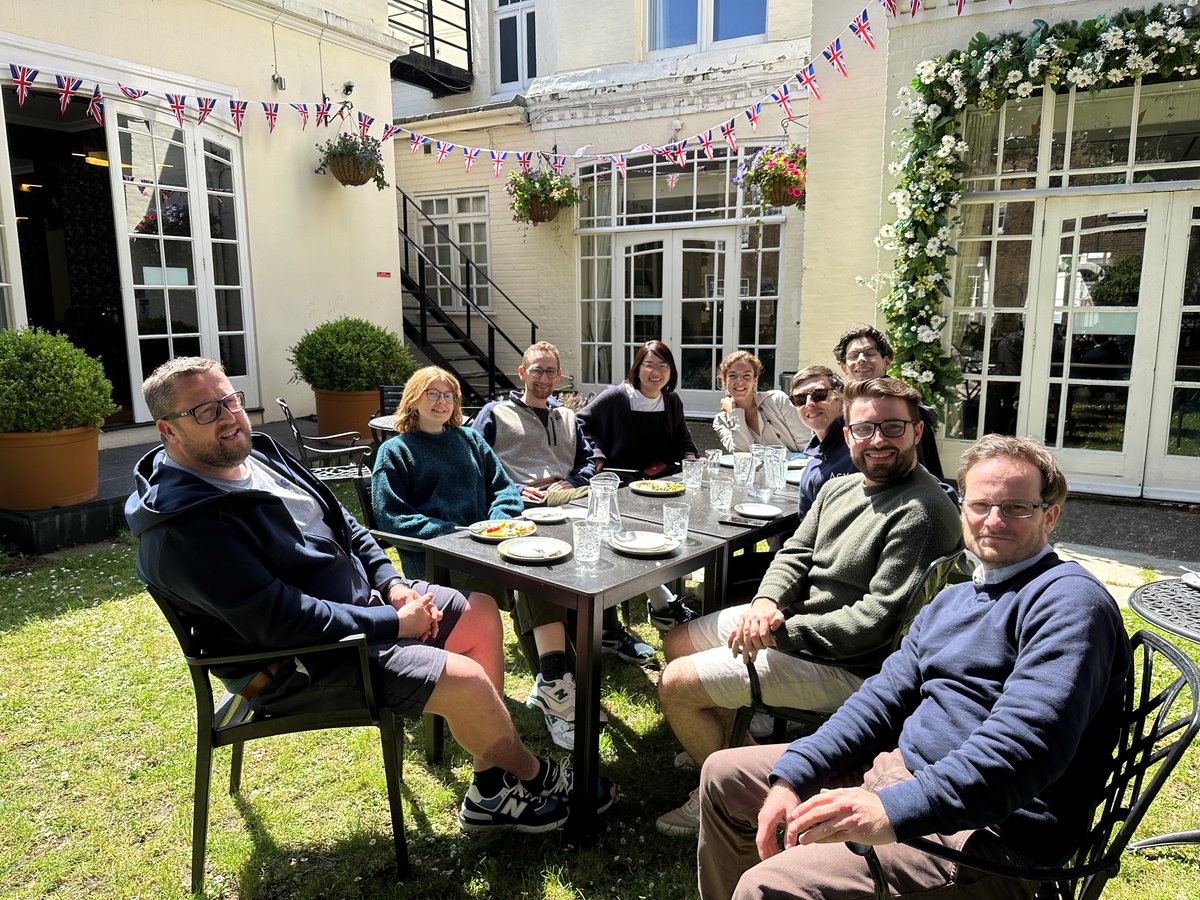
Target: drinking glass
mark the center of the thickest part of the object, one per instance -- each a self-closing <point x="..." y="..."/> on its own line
<point x="713" y="458"/>
<point x="742" y="462"/>
<point x="693" y="474"/>
<point x="757" y="487"/>
<point x="776" y="462"/>
<point x="675" y="519"/>
<point x="586" y="534"/>
<point x="720" y="494"/>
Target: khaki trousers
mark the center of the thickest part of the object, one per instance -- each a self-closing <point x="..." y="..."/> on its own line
<point x="732" y="787"/>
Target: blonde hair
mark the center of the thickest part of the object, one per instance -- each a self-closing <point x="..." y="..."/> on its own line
<point x="160" y="388"/>
<point x="418" y="383"/>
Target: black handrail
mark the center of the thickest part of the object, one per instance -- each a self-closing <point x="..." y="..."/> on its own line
<point x="473" y="269"/>
<point x="402" y="12"/>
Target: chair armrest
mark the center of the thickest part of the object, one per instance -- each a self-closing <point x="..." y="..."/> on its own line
<point x="352" y="436"/>
<point x="363" y="450"/>
<point x="358" y="641"/>
<point x="398" y="540"/>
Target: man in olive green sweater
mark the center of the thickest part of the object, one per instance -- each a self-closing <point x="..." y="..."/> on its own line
<point x="836" y="589"/>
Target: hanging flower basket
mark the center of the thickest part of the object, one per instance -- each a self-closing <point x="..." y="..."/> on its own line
<point x="347" y="170"/>
<point x="779" y="194"/>
<point x="542" y="210"/>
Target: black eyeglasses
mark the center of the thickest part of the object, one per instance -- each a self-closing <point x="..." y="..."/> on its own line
<point x="820" y="395"/>
<point x="889" y="428"/>
<point x="208" y="412"/>
<point x="1009" y="509"/>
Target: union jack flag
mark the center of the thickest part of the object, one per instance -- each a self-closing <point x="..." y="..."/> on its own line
<point x="68" y="87"/>
<point x="364" y="123"/>
<point x="861" y="29"/>
<point x="916" y="4"/>
<point x="619" y="161"/>
<point x="443" y="147"/>
<point x="659" y="151"/>
<point x="579" y="151"/>
<point x="672" y="180"/>
<point x="960" y="3"/>
<point x="204" y="108"/>
<point x="131" y="93"/>
<point x="706" y="141"/>
<point x="271" y="111"/>
<point x="680" y="155"/>
<point x="323" y="114"/>
<point x="390" y="130"/>
<point x="23" y="78"/>
<point x="498" y="157"/>
<point x="808" y="77"/>
<point x="836" y="56"/>
<point x="96" y="106"/>
<point x="639" y="148"/>
<point x="729" y="132"/>
<point x="558" y="163"/>
<point x="524" y="159"/>
<point x="178" y="104"/>
<point x="783" y="98"/>
<point x="470" y="154"/>
<point x="415" y="141"/>
<point x="752" y="114"/>
<point x="301" y="108"/>
<point x="237" y="111"/>
<point x="890" y="6"/>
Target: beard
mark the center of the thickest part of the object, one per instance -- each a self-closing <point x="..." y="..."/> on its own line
<point x="884" y="471"/>
<point x="223" y="454"/>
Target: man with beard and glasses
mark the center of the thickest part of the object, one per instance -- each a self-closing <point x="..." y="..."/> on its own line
<point x="990" y="730"/>
<point x="836" y="589"/>
<point x="259" y="555"/>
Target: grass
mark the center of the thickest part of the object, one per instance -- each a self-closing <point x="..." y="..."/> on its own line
<point x="97" y="744"/>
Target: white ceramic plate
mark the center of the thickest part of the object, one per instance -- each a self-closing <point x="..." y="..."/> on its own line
<point x="643" y="543"/>
<point x="757" y="510"/>
<point x="794" y="477"/>
<point x="534" y="549"/>
<point x="1192" y="580"/>
<point x="662" y="488"/>
<point x="496" y="530"/>
<point x="545" y="515"/>
<point x="797" y="462"/>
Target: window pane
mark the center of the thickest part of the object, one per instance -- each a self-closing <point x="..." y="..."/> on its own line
<point x="672" y="23"/>
<point x="508" y="50"/>
<point x="738" y="18"/>
<point x="1100" y="135"/>
<point x="1168" y="125"/>
<point x="530" y="46"/>
<point x="1183" y="436"/>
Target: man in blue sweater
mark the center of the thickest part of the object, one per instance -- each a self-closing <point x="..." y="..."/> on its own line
<point x="260" y="555"/>
<point x="989" y="729"/>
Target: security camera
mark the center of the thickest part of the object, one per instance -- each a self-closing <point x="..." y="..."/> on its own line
<point x="348" y="88"/>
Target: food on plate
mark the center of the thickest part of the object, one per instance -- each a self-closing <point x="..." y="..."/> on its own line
<point x="658" y="487"/>
<point x="503" y="528"/>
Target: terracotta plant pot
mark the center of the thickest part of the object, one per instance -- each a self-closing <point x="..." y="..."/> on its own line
<point x="542" y="210"/>
<point x="45" y="469"/>
<point x="340" y="411"/>
<point x="777" y="195"/>
<point x="347" y="170"/>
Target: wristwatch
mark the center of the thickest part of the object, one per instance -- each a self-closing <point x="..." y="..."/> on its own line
<point x="385" y="589"/>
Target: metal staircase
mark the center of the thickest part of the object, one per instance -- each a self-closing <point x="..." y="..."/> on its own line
<point x="438" y="35"/>
<point x="451" y="338"/>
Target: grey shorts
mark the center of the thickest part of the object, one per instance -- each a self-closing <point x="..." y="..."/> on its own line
<point x="785" y="680"/>
<point x="404" y="672"/>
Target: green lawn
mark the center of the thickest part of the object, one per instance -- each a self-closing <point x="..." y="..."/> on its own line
<point x="96" y="749"/>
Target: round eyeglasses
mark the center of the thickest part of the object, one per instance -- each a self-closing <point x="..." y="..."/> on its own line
<point x="434" y="396"/>
<point x="889" y="428"/>
<point x="1009" y="509"/>
<point x="208" y="412"/>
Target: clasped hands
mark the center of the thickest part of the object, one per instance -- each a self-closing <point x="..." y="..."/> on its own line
<point x="536" y="491"/>
<point x="755" y="629"/>
<point x="417" y="613"/>
<point x="831" y="816"/>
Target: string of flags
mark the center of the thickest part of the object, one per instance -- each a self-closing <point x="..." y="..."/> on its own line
<point x="25" y="78"/>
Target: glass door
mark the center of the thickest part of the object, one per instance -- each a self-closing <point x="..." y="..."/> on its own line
<point x="1096" y="335"/>
<point x="177" y="202"/>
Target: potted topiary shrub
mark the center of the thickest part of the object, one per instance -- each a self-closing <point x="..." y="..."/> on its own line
<point x="344" y="362"/>
<point x="53" y="399"/>
<point x="352" y="160"/>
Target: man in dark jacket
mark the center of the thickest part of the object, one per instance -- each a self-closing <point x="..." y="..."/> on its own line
<point x="259" y="554"/>
<point x="988" y="730"/>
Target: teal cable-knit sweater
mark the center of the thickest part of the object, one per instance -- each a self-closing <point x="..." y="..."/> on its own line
<point x="426" y="484"/>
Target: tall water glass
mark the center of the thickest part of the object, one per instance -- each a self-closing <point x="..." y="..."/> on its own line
<point x="586" y="534"/>
<point x="675" y="519"/>
<point x="693" y="473"/>
<point x="742" y="464"/>
<point x="757" y="487"/>
<point x="720" y="494"/>
<point x="776" y="463"/>
<point x="713" y="458"/>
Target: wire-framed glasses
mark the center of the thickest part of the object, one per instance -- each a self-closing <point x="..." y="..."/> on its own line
<point x="1009" y="509"/>
<point x="889" y="428"/>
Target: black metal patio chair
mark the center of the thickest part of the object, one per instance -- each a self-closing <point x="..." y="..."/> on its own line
<point x="1159" y="721"/>
<point x="230" y="722"/>
<point x="331" y="457"/>
<point x="949" y="569"/>
<point x="389" y="400"/>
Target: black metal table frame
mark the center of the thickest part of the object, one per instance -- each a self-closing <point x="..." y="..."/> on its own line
<point x="1175" y="608"/>
<point x="565" y="584"/>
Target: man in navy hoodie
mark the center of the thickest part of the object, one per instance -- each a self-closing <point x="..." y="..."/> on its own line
<point x="259" y="554"/>
<point x="989" y="729"/>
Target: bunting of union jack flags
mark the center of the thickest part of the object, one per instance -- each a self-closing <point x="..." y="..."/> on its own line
<point x="68" y="87"/>
<point x="96" y="106"/>
<point x="23" y="78"/>
<point x="204" y="108"/>
<point x="861" y="29"/>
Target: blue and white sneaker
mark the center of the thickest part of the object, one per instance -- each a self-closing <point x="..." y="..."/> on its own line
<point x="675" y="613"/>
<point x="514" y="808"/>
<point x="626" y="646"/>
<point x="561" y="777"/>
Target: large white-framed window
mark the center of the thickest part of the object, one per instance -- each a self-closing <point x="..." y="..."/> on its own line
<point x="456" y="233"/>
<point x="515" y="42"/>
<point x="675" y="26"/>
